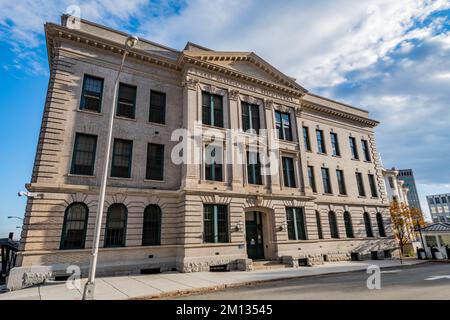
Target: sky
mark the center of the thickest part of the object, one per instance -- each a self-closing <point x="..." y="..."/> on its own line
<point x="389" y="57"/>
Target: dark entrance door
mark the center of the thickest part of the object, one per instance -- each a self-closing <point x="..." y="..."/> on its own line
<point x="254" y="235"/>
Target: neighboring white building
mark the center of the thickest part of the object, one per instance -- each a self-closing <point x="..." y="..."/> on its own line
<point x="395" y="188"/>
<point x="439" y="205"/>
<point x="437" y="235"/>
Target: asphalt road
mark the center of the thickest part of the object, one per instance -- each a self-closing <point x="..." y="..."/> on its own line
<point x="424" y="281"/>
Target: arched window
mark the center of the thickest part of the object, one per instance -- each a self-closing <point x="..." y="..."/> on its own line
<point x="368" y="224"/>
<point x="348" y="225"/>
<point x="116" y="226"/>
<point x="151" y="230"/>
<point x="333" y="225"/>
<point x="380" y="223"/>
<point x="74" y="228"/>
<point x="319" y="225"/>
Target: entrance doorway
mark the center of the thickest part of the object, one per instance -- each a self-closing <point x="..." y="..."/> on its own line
<point x="254" y="235"/>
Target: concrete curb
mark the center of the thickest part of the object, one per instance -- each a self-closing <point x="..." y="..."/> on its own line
<point x="188" y="292"/>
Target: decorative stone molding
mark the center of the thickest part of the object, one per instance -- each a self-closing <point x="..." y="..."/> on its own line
<point x="191" y="84"/>
<point x="234" y="94"/>
<point x="268" y="104"/>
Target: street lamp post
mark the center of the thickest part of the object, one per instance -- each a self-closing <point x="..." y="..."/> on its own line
<point x="89" y="289"/>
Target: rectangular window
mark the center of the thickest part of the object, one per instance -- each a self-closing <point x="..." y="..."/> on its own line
<point x="215" y="223"/>
<point x="306" y="139"/>
<point x="121" y="158"/>
<point x="254" y="168"/>
<point x="360" y="183"/>
<point x="212" y="109"/>
<point x="91" y="97"/>
<point x="341" y="182"/>
<point x="288" y="172"/>
<point x="353" y="148"/>
<point x="430" y="201"/>
<point x="283" y="125"/>
<point x="373" y="186"/>
<point x="157" y="112"/>
<point x="326" y="180"/>
<point x="213" y="163"/>
<point x="83" y="158"/>
<point x="437" y="200"/>
<point x="366" y="151"/>
<point x="335" y="144"/>
<point x="126" y="102"/>
<point x="155" y="162"/>
<point x="320" y="141"/>
<point x="250" y="117"/>
<point x="296" y="223"/>
<point x="444" y="200"/>
<point x="391" y="183"/>
<point x="312" y="178"/>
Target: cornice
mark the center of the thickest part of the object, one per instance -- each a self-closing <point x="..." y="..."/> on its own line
<point x="55" y="32"/>
<point x="337" y="113"/>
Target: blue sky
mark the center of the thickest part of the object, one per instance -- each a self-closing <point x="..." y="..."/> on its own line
<point x="390" y="57"/>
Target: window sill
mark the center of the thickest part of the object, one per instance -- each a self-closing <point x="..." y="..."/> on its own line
<point x="213" y="127"/>
<point x="164" y="125"/>
<point x="327" y="194"/>
<point x="90" y="112"/>
<point x="340" y="157"/>
<point x="152" y="180"/>
<point x="374" y="198"/>
<point x="343" y="195"/>
<point x="120" y="179"/>
<point x="353" y="159"/>
<point x="80" y="176"/>
<point x="125" y="118"/>
<point x="368" y="161"/>
<point x="322" y="153"/>
<point x="362" y="197"/>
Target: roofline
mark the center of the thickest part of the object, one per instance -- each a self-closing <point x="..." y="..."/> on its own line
<point x="338" y="102"/>
<point x="116" y="31"/>
<point x="199" y="46"/>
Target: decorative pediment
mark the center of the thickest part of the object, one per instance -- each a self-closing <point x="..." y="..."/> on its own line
<point x="247" y="63"/>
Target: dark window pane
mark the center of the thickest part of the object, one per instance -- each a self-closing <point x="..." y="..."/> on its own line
<point x="91" y="97"/>
<point x="312" y="178"/>
<point x="335" y="144"/>
<point x="212" y="109"/>
<point x="353" y="148"/>
<point x="288" y="172"/>
<point x="366" y="151"/>
<point x="157" y="107"/>
<point x="360" y="183"/>
<point x="348" y="225"/>
<point x="326" y="180"/>
<point x="83" y="159"/>
<point x="333" y="225"/>
<point x="296" y="223"/>
<point x="306" y="139"/>
<point x="254" y="168"/>
<point x="121" y="161"/>
<point x="373" y="187"/>
<point x="215" y="223"/>
<point x="155" y="162"/>
<point x="320" y="142"/>
<point x="151" y="231"/>
<point x="319" y="225"/>
<point x="126" y="101"/>
<point x="380" y="223"/>
<point x="283" y="125"/>
<point x="74" y="227"/>
<point x="213" y="163"/>
<point x="341" y="182"/>
<point x="116" y="224"/>
<point x="368" y="225"/>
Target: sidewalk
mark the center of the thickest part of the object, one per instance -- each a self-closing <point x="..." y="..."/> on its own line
<point x="173" y="283"/>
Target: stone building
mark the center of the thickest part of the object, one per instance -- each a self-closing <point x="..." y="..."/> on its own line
<point x="326" y="202"/>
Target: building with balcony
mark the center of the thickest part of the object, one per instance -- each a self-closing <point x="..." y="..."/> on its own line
<point x="320" y="197"/>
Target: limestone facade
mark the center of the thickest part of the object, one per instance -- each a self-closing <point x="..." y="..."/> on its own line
<point x="183" y="75"/>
